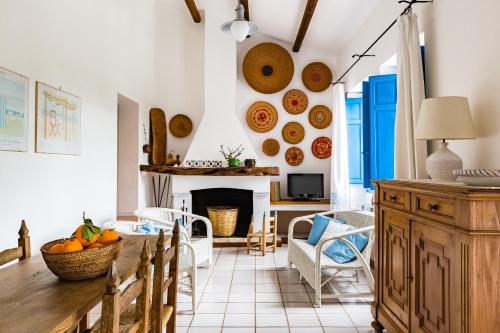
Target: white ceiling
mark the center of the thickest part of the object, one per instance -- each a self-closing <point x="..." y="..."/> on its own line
<point x="332" y="26"/>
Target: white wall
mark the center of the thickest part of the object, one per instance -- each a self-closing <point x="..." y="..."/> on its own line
<point x="246" y="96"/>
<point x="94" y="49"/>
<point x="462" y="52"/>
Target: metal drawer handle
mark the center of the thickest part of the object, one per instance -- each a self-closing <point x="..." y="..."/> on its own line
<point x="433" y="207"/>
<point x="393" y="198"/>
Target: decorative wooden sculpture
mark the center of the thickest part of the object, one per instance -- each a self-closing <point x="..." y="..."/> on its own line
<point x="157" y="137"/>
<point x="262" y="117"/>
<point x="320" y="116"/>
<point x="317" y="77"/>
<point x="294" y="156"/>
<point x="295" y="101"/>
<point x="293" y="132"/>
<point x="322" y="147"/>
<point x="268" y="68"/>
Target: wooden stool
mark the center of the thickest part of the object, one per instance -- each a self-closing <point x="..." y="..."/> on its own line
<point x="23" y="249"/>
<point x="269" y="231"/>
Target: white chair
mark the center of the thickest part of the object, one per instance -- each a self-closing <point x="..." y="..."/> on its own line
<point x="318" y="269"/>
<point x="193" y="251"/>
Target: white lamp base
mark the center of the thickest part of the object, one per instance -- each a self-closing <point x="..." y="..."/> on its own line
<point x="441" y="163"/>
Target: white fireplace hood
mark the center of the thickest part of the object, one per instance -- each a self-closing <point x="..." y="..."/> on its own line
<point x="219" y="124"/>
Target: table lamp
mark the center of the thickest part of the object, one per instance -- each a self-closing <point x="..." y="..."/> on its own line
<point x="444" y="118"/>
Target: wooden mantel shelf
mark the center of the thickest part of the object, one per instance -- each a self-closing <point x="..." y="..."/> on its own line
<point x="240" y="171"/>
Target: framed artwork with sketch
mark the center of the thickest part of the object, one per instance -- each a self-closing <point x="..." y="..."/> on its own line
<point x="14" y="111"/>
<point x="58" y="121"/>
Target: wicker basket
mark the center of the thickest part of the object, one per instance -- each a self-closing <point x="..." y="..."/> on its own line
<point x="82" y="265"/>
<point x="223" y="220"/>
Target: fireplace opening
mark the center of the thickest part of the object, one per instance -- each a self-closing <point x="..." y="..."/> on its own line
<point x="243" y="199"/>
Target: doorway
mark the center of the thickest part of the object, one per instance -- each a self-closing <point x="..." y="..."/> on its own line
<point x="128" y="157"/>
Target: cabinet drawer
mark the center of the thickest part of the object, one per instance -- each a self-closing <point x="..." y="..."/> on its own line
<point x="437" y="208"/>
<point x="395" y="198"/>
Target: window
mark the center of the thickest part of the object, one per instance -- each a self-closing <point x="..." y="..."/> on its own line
<point x="370" y="122"/>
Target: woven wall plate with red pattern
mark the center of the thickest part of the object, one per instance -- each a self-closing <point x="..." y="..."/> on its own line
<point x="293" y="132"/>
<point x="294" y="156"/>
<point x="262" y="117"/>
<point x="295" y="101"/>
<point x="322" y="147"/>
<point x="317" y="76"/>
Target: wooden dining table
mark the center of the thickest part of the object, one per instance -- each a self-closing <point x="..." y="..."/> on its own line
<point x="34" y="300"/>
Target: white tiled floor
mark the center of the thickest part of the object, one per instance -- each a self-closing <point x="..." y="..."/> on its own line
<point x="250" y="293"/>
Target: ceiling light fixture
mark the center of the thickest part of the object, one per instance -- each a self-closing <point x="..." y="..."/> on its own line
<point x="240" y="28"/>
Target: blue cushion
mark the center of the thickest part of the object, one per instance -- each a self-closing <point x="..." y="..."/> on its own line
<point x="320" y="223"/>
<point x="340" y="251"/>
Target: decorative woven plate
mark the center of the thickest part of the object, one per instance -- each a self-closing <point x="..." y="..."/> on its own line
<point x="262" y="117"/>
<point x="320" y="116"/>
<point x="180" y="126"/>
<point x="322" y="147"/>
<point x="294" y="156"/>
<point x="268" y="68"/>
<point x="317" y="76"/>
<point x="293" y="132"/>
<point x="271" y="147"/>
<point x="295" y="101"/>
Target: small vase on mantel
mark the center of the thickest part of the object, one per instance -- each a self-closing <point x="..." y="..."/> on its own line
<point x="233" y="162"/>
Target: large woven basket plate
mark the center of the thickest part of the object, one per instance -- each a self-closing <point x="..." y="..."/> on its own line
<point x="295" y="101"/>
<point x="82" y="265"/>
<point x="322" y="147"/>
<point x="317" y="76"/>
<point x="262" y="117"/>
<point x="268" y="68"/>
<point x="320" y="116"/>
<point x="294" y="156"/>
<point x="293" y="132"/>
<point x="180" y="126"/>
<point x="271" y="147"/>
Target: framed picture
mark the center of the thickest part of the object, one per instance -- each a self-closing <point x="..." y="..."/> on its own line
<point x="58" y="121"/>
<point x="14" y="111"/>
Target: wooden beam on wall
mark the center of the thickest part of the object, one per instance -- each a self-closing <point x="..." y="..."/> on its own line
<point x="304" y="25"/>
<point x="247" y="10"/>
<point x="193" y="9"/>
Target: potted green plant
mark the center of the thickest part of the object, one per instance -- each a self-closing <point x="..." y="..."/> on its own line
<point x="232" y="155"/>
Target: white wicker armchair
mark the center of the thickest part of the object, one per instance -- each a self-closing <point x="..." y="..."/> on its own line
<point x="193" y="251"/>
<point x="318" y="269"/>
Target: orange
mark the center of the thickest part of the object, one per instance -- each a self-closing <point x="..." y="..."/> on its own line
<point x="83" y="240"/>
<point x="57" y="248"/>
<point x="94" y="246"/>
<point x="108" y="236"/>
<point x="72" y="245"/>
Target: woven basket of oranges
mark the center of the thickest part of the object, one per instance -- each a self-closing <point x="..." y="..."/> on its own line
<point x="86" y="255"/>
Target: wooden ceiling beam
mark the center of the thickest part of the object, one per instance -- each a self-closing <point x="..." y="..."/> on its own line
<point x="304" y="24"/>
<point x="193" y="9"/>
<point x="247" y="10"/>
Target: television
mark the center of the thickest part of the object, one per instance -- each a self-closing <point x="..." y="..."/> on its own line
<point x="305" y="186"/>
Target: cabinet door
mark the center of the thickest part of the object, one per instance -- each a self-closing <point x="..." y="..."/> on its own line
<point x="395" y="266"/>
<point x="433" y="283"/>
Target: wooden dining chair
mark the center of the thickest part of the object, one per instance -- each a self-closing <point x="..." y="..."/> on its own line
<point x="23" y="249"/>
<point x="258" y="241"/>
<point x="119" y="314"/>
<point x="163" y="315"/>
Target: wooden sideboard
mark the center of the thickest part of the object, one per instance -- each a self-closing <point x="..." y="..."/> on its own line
<point x="437" y="258"/>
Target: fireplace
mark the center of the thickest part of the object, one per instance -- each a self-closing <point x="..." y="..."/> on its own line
<point x="243" y="199"/>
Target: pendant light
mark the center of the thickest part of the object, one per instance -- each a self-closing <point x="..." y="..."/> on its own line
<point x="240" y="28"/>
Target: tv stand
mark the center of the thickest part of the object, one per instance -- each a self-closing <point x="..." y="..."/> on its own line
<point x="306" y="200"/>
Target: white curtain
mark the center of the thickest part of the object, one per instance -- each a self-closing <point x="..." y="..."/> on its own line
<point x="410" y="154"/>
<point x="340" y="167"/>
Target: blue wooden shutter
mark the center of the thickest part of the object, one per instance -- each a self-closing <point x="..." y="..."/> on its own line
<point x="366" y="134"/>
<point x="383" y="97"/>
<point x="354" y="108"/>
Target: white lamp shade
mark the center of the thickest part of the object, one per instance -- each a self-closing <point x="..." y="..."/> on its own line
<point x="240" y="30"/>
<point x="445" y="118"/>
